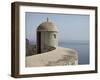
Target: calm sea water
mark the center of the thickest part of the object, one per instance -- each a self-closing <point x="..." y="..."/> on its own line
<point x="82" y="49"/>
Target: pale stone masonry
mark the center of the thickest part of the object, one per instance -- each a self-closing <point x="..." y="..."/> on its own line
<point x="58" y="57"/>
<point x="47" y="36"/>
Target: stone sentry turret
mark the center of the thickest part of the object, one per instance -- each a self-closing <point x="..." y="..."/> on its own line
<point x="47" y="37"/>
<point x="52" y="54"/>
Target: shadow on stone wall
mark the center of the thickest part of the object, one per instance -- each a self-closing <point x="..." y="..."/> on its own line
<point x="32" y="50"/>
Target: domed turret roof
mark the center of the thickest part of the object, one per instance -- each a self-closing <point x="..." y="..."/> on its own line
<point x="47" y="26"/>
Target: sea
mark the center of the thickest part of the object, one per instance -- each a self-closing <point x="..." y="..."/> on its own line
<point x="82" y="47"/>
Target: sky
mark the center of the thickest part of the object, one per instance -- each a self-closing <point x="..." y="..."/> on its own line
<point x="71" y="27"/>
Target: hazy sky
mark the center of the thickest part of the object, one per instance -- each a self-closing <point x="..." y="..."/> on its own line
<point x="70" y="26"/>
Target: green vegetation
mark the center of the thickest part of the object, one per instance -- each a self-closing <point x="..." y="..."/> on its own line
<point x="30" y="48"/>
